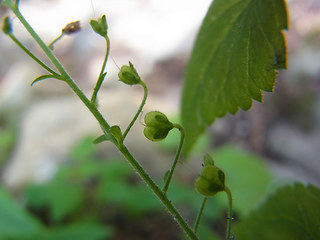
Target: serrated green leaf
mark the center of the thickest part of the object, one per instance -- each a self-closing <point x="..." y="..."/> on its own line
<point x="237" y="51"/>
<point x="290" y="214"/>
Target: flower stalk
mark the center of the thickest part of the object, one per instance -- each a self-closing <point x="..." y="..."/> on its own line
<point x="93" y="109"/>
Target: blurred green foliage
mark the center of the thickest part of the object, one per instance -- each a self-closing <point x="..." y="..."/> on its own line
<point x="83" y="198"/>
<point x="14" y="221"/>
<point x="7" y="134"/>
<point x="88" y="193"/>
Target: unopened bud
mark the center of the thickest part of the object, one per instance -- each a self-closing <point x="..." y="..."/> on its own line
<point x="129" y="75"/>
<point x="6" y="25"/>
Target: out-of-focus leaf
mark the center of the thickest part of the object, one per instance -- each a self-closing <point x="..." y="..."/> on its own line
<point x="84" y="149"/>
<point x="204" y="232"/>
<point x="79" y="231"/>
<point x="61" y="196"/>
<point x="7" y="140"/>
<point x="14" y="222"/>
<point x="237" y="51"/>
<point x="292" y="213"/>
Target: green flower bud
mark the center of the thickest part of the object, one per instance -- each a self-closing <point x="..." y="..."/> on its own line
<point x="100" y="26"/>
<point x="157" y="126"/>
<point x="129" y="75"/>
<point x="211" y="181"/>
<point x="208" y="160"/>
<point x="6" y="25"/>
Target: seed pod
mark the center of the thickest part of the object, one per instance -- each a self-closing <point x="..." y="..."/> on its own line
<point x="211" y="181"/>
<point x="157" y="126"/>
<point x="129" y="75"/>
<point x="72" y="27"/>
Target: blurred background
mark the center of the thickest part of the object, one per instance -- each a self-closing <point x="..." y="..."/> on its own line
<point x="61" y="186"/>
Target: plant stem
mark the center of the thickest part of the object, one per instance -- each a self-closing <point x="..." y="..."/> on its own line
<point x="196" y="225"/>
<point x="104" y="125"/>
<point x="55" y="40"/>
<point x="145" y="89"/>
<point x="59" y="66"/>
<point x="30" y="54"/>
<point x="101" y="77"/>
<point x="17" y="3"/>
<point x="229" y="218"/>
<point x="157" y="191"/>
<point x="166" y="186"/>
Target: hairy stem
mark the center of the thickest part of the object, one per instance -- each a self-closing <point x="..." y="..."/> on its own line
<point x="176" y="159"/>
<point x="203" y="205"/>
<point x="229" y="218"/>
<point x="157" y="191"/>
<point x="101" y="75"/>
<point x="104" y="125"/>
<point x="145" y="89"/>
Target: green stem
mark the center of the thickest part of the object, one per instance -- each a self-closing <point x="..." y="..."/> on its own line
<point x="30" y="54"/>
<point x="101" y="75"/>
<point x="166" y="186"/>
<point x="55" y="40"/>
<point x="157" y="191"/>
<point x="104" y="125"/>
<point x="59" y="66"/>
<point x="16" y="2"/>
<point x="229" y="218"/>
<point x="35" y="36"/>
<point x="196" y="225"/>
<point x="145" y="89"/>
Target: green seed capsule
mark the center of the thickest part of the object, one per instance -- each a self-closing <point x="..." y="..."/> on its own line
<point x="157" y="126"/>
<point x="211" y="181"/>
<point x="129" y="75"/>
